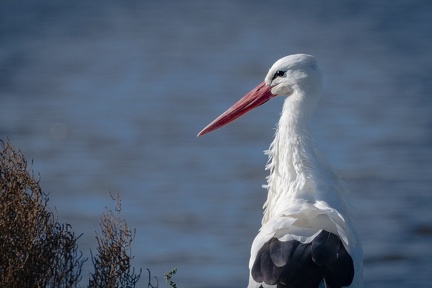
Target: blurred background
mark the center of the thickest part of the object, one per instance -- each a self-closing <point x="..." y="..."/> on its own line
<point x="108" y="96"/>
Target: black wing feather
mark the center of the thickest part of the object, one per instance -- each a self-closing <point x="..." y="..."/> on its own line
<point x="292" y="264"/>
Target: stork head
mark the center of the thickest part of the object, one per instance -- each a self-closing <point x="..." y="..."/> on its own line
<point x="295" y="76"/>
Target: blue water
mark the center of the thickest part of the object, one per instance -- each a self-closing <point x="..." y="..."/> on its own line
<point x="108" y="96"/>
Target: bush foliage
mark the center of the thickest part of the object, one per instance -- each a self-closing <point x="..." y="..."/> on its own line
<point x="112" y="267"/>
<point x="38" y="251"/>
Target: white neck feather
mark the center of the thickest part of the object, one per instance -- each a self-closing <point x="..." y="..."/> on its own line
<point x="297" y="174"/>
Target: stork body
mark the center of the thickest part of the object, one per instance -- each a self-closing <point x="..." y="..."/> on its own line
<point x="307" y="238"/>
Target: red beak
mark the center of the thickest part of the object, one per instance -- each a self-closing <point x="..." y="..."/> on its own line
<point x="258" y="96"/>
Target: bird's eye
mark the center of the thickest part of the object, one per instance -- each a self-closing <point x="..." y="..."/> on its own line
<point x="278" y="73"/>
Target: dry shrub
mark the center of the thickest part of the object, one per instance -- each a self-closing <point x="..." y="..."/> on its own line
<point x="112" y="264"/>
<point x="35" y="249"/>
<point x="38" y="251"/>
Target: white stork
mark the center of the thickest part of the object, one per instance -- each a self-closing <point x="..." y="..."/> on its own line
<point x="307" y="238"/>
